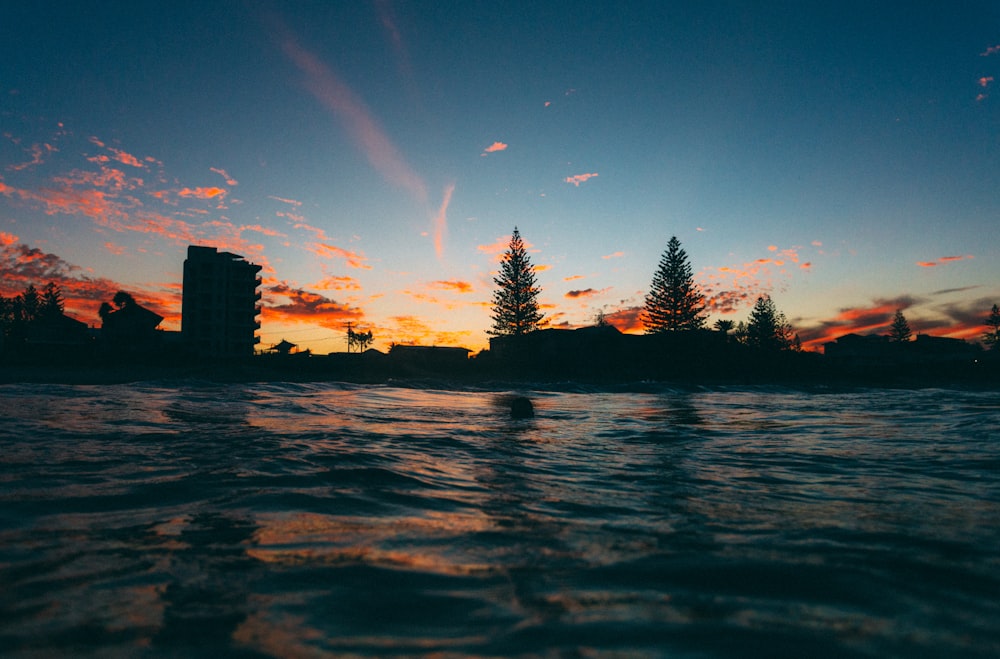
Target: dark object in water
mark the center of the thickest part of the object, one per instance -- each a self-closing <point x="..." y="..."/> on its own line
<point x="521" y="408"/>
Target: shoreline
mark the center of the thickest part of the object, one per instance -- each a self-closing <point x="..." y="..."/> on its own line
<point x="381" y="374"/>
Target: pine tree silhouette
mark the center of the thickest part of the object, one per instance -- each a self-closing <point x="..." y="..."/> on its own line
<point x="515" y="302"/>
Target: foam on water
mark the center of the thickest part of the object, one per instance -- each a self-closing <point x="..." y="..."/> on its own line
<point x="196" y="519"/>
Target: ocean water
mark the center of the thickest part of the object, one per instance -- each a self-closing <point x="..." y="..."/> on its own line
<point x="191" y="519"/>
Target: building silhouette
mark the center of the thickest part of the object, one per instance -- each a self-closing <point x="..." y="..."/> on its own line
<point x="220" y="303"/>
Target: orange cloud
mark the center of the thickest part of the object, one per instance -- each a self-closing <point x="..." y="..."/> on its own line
<point x="855" y="320"/>
<point x="114" y="248"/>
<point x="985" y="81"/>
<point x="305" y="307"/>
<point x="577" y="179"/>
<point x="353" y="259"/>
<point x="615" y="255"/>
<point x="573" y="277"/>
<point x="943" y="260"/>
<point x="626" y="320"/>
<point x="202" y="193"/>
<point x="585" y="293"/>
<point x="493" y="148"/>
<point x="453" y="285"/>
<point x="262" y="230"/>
<point x="119" y="155"/>
<point x="343" y="283"/>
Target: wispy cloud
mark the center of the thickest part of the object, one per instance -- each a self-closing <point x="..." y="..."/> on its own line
<point x="943" y="260"/>
<point x="340" y="283"/>
<point x="221" y="172"/>
<point x="992" y="50"/>
<point x="577" y="179"/>
<point x="614" y="255"/>
<point x="359" y="122"/>
<point x="38" y="153"/>
<point x="353" y="259"/>
<point x="441" y="221"/>
<point x="453" y="285"/>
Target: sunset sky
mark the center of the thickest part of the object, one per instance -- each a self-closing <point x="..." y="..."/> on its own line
<point x="374" y="157"/>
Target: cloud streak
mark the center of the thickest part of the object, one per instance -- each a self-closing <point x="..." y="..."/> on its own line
<point x="943" y="260"/>
<point x="337" y="97"/>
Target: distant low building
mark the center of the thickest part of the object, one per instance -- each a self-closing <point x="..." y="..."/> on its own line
<point x="220" y="303"/>
<point x="429" y="357"/>
<point x="131" y="326"/>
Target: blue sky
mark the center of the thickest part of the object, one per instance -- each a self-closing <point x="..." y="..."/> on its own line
<point x="374" y="157"/>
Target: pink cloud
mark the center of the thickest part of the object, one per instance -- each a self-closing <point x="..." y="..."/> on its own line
<point x="990" y="51"/>
<point x="114" y="248"/>
<point x="614" y="255"/>
<point x="286" y="201"/>
<point x="221" y="172"/>
<point x="985" y="81"/>
<point x="262" y="230"/>
<point x="7" y="239"/>
<point x="577" y="179"/>
<point x="493" y="148"/>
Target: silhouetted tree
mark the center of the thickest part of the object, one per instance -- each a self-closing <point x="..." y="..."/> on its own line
<point x="768" y="329"/>
<point x="123" y="299"/>
<point x="724" y="326"/>
<point x="673" y="302"/>
<point x="359" y="340"/>
<point x="899" y="331"/>
<point x="31" y="303"/>
<point x="51" y="303"/>
<point x="992" y="337"/>
<point x="515" y="302"/>
<point x="105" y="311"/>
<point x="600" y="320"/>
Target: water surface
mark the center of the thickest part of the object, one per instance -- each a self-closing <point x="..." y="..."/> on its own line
<point x="197" y="519"/>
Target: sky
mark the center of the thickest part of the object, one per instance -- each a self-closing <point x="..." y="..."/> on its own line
<point x="374" y="156"/>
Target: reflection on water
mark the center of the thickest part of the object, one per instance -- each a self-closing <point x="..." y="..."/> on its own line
<point x="311" y="520"/>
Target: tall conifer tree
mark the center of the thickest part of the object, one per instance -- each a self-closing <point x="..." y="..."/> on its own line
<point x="515" y="302"/>
<point x="899" y="331"/>
<point x="673" y="302"/>
<point x="768" y="329"/>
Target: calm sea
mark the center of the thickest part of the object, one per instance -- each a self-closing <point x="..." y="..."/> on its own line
<point x="190" y="519"/>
